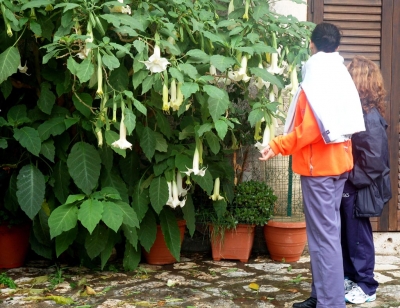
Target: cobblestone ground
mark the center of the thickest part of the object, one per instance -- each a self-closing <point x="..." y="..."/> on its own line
<point x="196" y="281"/>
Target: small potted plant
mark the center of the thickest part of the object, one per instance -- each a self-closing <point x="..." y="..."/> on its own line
<point x="232" y="232"/>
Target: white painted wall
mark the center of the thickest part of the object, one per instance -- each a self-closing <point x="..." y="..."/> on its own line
<point x="288" y="7"/>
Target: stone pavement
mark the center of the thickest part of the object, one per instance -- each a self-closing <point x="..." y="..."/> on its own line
<point x="196" y="281"/>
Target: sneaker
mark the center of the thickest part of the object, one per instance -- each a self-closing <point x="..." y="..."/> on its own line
<point x="357" y="296"/>
<point x="348" y="285"/>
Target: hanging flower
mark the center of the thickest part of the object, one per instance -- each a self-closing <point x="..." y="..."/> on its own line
<point x="173" y="200"/>
<point x="182" y="192"/>
<point x="294" y="82"/>
<point x="274" y="67"/>
<point x="196" y="168"/>
<point x="231" y="7"/>
<point x="99" y="91"/>
<point x="99" y="136"/>
<point x="269" y="133"/>
<point x="121" y="9"/>
<point x="23" y="69"/>
<point x="85" y="52"/>
<point x="122" y="143"/>
<point x="156" y="64"/>
<point x="179" y="98"/>
<point x="166" y="105"/>
<point x="260" y="83"/>
<point x="246" y="10"/>
<point x="241" y="74"/>
<point x="216" y="196"/>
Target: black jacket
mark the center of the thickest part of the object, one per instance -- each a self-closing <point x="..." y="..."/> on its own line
<point x="370" y="176"/>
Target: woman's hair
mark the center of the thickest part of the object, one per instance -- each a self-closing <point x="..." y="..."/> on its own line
<point x="369" y="82"/>
<point x="326" y="37"/>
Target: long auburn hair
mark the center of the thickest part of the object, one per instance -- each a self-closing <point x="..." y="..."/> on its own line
<point x="369" y="83"/>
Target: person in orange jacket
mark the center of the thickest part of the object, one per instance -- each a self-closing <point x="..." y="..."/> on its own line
<point x="322" y="117"/>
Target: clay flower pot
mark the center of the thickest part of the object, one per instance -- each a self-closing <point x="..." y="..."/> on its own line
<point x="234" y="244"/>
<point x="285" y="240"/>
<point x="14" y="243"/>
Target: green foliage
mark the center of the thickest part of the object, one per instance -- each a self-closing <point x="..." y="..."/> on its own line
<point x="7" y="281"/>
<point x="90" y="140"/>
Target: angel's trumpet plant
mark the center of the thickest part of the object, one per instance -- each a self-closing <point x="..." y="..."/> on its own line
<point x="231" y="7"/>
<point x="174" y="201"/>
<point x="86" y="50"/>
<point x="274" y="68"/>
<point x="166" y="105"/>
<point x="216" y="196"/>
<point x="179" y="98"/>
<point x="156" y="64"/>
<point x="246" y="10"/>
<point x="182" y="192"/>
<point x="196" y="165"/>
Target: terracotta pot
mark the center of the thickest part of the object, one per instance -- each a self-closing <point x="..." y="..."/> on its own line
<point x="234" y="244"/>
<point x="159" y="253"/>
<point x="285" y="240"/>
<point x="14" y="243"/>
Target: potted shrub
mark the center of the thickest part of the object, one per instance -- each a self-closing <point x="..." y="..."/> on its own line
<point x="14" y="226"/>
<point x="232" y="231"/>
<point x="105" y="103"/>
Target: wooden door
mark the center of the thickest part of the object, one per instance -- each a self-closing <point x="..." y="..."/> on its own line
<point x="372" y="28"/>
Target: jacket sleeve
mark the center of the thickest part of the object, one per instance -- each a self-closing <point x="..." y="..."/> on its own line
<point x="306" y="130"/>
<point x="368" y="151"/>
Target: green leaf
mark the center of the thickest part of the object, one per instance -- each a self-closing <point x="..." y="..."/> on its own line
<point x="112" y="179"/>
<point x="67" y="6"/>
<point x="266" y="76"/>
<point x="129" y="120"/>
<point x="255" y="116"/>
<point x="3" y="144"/>
<point x="220" y="207"/>
<point x="110" y="61"/>
<point x="189" y="70"/>
<point x="189" y="88"/>
<point x="217" y="106"/>
<point x="48" y="150"/>
<point x="170" y="230"/>
<point x="17" y="115"/>
<point x="148" y="142"/>
<point x="147" y="83"/>
<point x="36" y="4"/>
<point x="31" y="189"/>
<point x="9" y="62"/>
<point x="198" y="54"/>
<point x="138" y="77"/>
<point x="47" y="98"/>
<point x="263" y="48"/>
<point x="205" y="182"/>
<point x="222" y="128"/>
<point x="222" y="63"/>
<point x="106" y="154"/>
<point x="54" y="126"/>
<point x="189" y="214"/>
<point x="63" y="218"/>
<point x="112" y="215"/>
<point x="73" y="198"/>
<point x="158" y="193"/>
<point x="61" y="181"/>
<point x="132" y="257"/>
<point x="108" y="249"/>
<point x="206" y="127"/>
<point x="83" y="108"/>
<point x="90" y="214"/>
<point x="175" y="73"/>
<point x="123" y="19"/>
<point x="85" y="70"/>
<point x="64" y="240"/>
<point x="112" y="136"/>
<point x="140" y="107"/>
<point x="131" y="235"/>
<point x="140" y="201"/>
<point x="28" y="137"/>
<point x="260" y="10"/>
<point x="41" y="228"/>
<point x="213" y="142"/>
<point x="161" y="143"/>
<point x="6" y="88"/>
<point x="84" y="166"/>
<point x="129" y="217"/>
<point x="44" y="251"/>
<point x="72" y="65"/>
<point x="163" y="124"/>
<point x="96" y="242"/>
<point x="119" y="78"/>
<point x="148" y="230"/>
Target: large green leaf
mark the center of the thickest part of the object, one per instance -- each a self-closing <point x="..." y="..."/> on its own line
<point x="148" y="142"/>
<point x="189" y="88"/>
<point x="47" y="98"/>
<point x="148" y="230"/>
<point x="41" y="228"/>
<point x="213" y="142"/>
<point x="44" y="251"/>
<point x="266" y="76"/>
<point x="90" y="214"/>
<point x="61" y="181"/>
<point x="48" y="150"/>
<point x="85" y="70"/>
<point x="222" y="128"/>
<point x="129" y="121"/>
<point x="140" y="201"/>
<point x="159" y="193"/>
<point x="17" y="115"/>
<point x="170" y="230"/>
<point x="129" y="167"/>
<point x="64" y="240"/>
<point x="108" y="249"/>
<point x="63" y="218"/>
<point x="96" y="242"/>
<point x="222" y="63"/>
<point x="112" y="136"/>
<point x="123" y="19"/>
<point x="9" y="62"/>
<point x="86" y="98"/>
<point x="163" y="124"/>
<point x="53" y="127"/>
<point x="131" y="235"/>
<point x="205" y="182"/>
<point x="112" y="179"/>
<point x="217" y="106"/>
<point x="131" y="257"/>
<point x="31" y="189"/>
<point x="84" y="166"/>
<point x="161" y="143"/>
<point x="129" y="217"/>
<point x="36" y="4"/>
<point x="112" y="215"/>
<point x="189" y="214"/>
<point x="29" y="138"/>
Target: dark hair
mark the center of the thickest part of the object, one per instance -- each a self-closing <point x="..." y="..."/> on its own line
<point x="326" y="37"/>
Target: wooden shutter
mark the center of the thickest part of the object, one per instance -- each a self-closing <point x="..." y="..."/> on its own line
<point x="372" y="28"/>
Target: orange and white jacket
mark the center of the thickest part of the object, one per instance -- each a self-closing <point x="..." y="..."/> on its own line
<point x="311" y="155"/>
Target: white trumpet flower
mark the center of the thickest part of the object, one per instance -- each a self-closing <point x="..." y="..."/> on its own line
<point x="156" y="64"/>
<point x="216" y="196"/>
<point x="241" y="74"/>
<point x="23" y="69"/>
<point x="260" y="83"/>
<point x="268" y="134"/>
<point x="182" y="192"/>
<point x="122" y="143"/>
<point x="86" y="50"/>
<point x="174" y="201"/>
<point x="196" y="165"/>
<point x="231" y="7"/>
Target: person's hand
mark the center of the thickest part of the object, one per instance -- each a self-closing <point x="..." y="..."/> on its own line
<point x="266" y="153"/>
